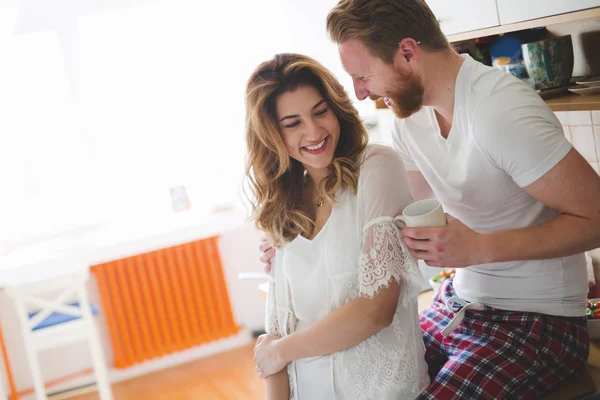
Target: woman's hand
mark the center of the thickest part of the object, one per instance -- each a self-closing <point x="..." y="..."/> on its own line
<point x="267" y="356"/>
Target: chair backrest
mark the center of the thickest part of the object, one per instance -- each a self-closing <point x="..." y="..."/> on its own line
<point x="52" y="295"/>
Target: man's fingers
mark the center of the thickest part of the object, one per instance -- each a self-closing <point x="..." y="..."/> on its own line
<point x="423" y="255"/>
<point x="419" y="233"/>
<point x="417" y="244"/>
<point x="264" y="246"/>
<point x="267" y="255"/>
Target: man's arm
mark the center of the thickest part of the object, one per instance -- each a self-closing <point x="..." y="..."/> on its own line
<point x="572" y="188"/>
<point x="419" y="186"/>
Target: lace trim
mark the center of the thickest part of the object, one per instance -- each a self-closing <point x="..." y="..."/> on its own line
<point x="291" y="382"/>
<point x="386" y="363"/>
<point x="384" y="258"/>
<point x="272" y="317"/>
<point x="281" y="321"/>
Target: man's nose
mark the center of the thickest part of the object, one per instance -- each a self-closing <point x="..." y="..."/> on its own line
<point x="360" y="90"/>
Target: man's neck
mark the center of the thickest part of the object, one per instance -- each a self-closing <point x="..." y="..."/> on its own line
<point x="441" y="71"/>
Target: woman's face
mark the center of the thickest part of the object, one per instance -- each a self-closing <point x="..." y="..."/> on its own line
<point x="309" y="127"/>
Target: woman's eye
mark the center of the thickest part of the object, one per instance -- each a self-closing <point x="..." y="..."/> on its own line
<point x="322" y="112"/>
<point x="293" y="124"/>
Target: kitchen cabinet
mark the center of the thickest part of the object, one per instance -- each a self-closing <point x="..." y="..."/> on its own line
<point x="512" y="11"/>
<point x="464" y="15"/>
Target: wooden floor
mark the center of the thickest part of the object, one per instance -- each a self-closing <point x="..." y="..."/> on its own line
<point x="231" y="376"/>
<point x="224" y="376"/>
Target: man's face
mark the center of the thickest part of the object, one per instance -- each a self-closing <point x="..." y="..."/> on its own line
<point x="372" y="77"/>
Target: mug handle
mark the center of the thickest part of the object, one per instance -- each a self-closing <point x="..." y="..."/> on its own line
<point x="399" y="221"/>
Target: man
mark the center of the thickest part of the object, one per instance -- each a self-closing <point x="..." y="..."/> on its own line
<point x="522" y="204"/>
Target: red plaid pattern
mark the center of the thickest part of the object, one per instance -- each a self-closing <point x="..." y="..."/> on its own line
<point x="498" y="354"/>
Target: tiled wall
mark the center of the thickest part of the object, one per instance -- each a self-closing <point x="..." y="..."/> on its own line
<point x="582" y="128"/>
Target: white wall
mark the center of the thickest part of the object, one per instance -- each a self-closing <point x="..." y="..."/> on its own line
<point x="109" y="105"/>
<point x="106" y="105"/>
<point x="240" y="253"/>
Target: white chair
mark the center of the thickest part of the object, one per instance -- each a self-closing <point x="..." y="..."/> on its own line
<point x="3" y="393"/>
<point x="65" y="319"/>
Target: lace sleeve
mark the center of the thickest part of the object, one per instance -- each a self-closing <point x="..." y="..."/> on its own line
<point x="271" y="317"/>
<point x="276" y="312"/>
<point x="384" y="258"/>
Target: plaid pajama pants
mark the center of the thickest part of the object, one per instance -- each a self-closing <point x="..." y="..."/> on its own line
<point x="499" y="354"/>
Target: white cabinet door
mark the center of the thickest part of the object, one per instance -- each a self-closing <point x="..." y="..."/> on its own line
<point x="458" y="16"/>
<point x="512" y="11"/>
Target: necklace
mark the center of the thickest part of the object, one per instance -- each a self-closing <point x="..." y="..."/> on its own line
<point x="319" y="201"/>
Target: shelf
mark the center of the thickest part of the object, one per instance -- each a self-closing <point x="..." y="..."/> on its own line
<point x="575" y="102"/>
<point x="534" y="23"/>
<point x="565" y="102"/>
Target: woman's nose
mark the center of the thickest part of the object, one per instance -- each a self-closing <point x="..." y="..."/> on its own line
<point x="313" y="131"/>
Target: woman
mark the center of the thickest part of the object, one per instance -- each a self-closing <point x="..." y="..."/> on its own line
<point x="342" y="309"/>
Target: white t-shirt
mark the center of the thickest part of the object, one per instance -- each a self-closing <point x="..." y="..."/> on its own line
<point x="503" y="138"/>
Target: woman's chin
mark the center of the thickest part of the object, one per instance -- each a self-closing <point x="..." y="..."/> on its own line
<point x="321" y="163"/>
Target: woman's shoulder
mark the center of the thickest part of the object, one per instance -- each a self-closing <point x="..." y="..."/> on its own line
<point x="376" y="155"/>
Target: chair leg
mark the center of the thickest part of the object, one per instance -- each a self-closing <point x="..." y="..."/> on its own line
<point x="3" y="395"/>
<point x="31" y="354"/>
<point x="2" y="391"/>
<point x="104" y="388"/>
<point x="36" y="375"/>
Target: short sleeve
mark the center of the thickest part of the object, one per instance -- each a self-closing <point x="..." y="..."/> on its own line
<point x="400" y="146"/>
<point x="522" y="137"/>
<point x="386" y="258"/>
<point x="383" y="187"/>
<point x="384" y="192"/>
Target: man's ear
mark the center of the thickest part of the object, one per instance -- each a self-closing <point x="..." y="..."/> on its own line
<point x="408" y="50"/>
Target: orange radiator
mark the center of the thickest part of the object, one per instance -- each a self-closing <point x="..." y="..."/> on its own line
<point x="165" y="301"/>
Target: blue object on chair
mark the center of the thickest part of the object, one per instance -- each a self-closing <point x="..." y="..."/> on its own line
<point x="58" y="318"/>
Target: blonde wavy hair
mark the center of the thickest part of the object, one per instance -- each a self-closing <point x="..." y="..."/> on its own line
<point x="276" y="181"/>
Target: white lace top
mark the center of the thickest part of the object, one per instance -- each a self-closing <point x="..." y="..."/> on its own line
<point x="357" y="252"/>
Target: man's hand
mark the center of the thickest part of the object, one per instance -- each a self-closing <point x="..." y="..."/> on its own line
<point x="266" y="356"/>
<point x="268" y="252"/>
<point x="452" y="246"/>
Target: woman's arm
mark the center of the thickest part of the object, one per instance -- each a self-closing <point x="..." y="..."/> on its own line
<point x="278" y="387"/>
<point x="347" y="326"/>
<point x="343" y="328"/>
